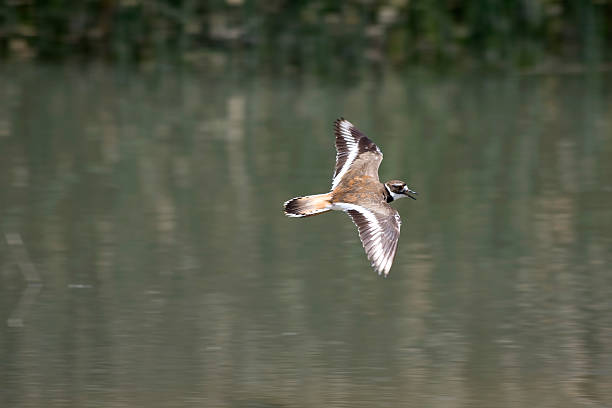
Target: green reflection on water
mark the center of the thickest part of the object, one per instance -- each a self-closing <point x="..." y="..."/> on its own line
<point x="150" y="205"/>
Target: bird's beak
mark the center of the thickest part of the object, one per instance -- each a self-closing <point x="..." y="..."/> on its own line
<point x="408" y="191"/>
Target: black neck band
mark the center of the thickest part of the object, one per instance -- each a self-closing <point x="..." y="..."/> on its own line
<point x="388" y="194"/>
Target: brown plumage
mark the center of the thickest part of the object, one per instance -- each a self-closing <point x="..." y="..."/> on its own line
<point x="357" y="191"/>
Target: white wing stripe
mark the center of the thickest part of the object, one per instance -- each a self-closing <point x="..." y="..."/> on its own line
<point x="379" y="239"/>
<point x="353" y="148"/>
<point x="378" y="256"/>
<point x="387" y="265"/>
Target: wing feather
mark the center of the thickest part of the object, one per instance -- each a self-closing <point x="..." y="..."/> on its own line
<point x="379" y="233"/>
<point x="351" y="144"/>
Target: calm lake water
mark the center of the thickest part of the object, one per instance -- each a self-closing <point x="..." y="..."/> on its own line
<point x="145" y="260"/>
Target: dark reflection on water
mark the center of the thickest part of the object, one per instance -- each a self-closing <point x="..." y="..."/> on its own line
<point x="145" y="260"/>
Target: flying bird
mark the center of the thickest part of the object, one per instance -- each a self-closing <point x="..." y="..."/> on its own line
<point x="357" y="191"/>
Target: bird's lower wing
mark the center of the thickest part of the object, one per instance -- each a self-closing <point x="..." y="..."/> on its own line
<point x="379" y="232"/>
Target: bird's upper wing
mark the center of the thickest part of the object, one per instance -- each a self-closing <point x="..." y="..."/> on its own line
<point x="379" y="230"/>
<point x="354" y="151"/>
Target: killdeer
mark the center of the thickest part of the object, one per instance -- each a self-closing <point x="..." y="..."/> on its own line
<point x="357" y="191"/>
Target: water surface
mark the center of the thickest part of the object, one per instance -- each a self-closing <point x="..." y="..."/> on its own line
<point x="145" y="259"/>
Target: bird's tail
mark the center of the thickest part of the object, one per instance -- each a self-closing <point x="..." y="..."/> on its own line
<point x="309" y="205"/>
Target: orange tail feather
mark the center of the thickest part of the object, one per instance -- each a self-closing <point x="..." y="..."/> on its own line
<point x="308" y="205"/>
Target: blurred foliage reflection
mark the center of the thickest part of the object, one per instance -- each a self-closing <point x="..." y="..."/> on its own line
<point x="312" y="35"/>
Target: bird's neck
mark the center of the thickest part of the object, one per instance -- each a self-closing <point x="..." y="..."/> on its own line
<point x="388" y="194"/>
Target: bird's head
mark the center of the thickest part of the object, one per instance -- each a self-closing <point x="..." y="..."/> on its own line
<point x="398" y="189"/>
